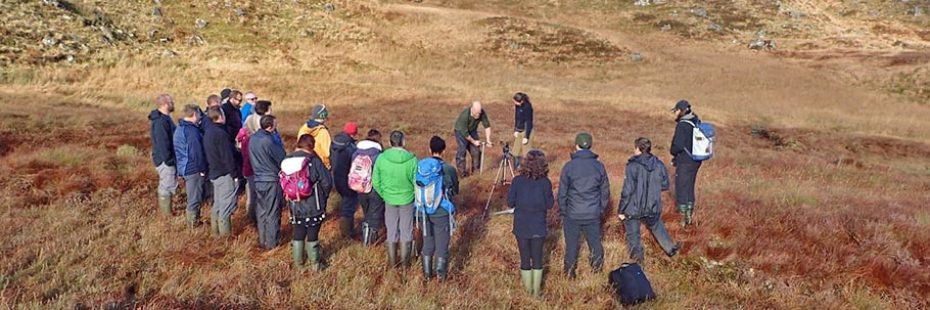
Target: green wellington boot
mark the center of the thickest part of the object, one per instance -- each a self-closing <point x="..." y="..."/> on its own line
<point x="526" y="277"/>
<point x="391" y="253"/>
<point x="537" y="281"/>
<point x="164" y="205"/>
<point x="405" y="250"/>
<point x="297" y="253"/>
<point x="442" y="268"/>
<point x="315" y="255"/>
<point x="427" y="262"/>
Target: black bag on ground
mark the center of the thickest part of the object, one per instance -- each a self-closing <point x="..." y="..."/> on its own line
<point x="630" y="284"/>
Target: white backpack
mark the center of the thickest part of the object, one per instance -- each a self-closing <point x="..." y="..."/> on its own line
<point x="702" y="141"/>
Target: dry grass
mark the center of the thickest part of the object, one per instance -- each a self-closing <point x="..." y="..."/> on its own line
<point x="816" y="200"/>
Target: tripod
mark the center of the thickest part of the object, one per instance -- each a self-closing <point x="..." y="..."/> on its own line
<point x="506" y="165"/>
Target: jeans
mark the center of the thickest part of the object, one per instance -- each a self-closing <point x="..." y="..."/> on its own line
<point x="592" y="233"/>
<point x="656" y="227"/>
<point x="348" y="204"/>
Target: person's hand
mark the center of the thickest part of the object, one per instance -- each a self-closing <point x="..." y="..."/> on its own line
<point x="525" y="141"/>
<point x="489" y="143"/>
<point x="622" y="217"/>
<point x="476" y="143"/>
<point x="516" y="134"/>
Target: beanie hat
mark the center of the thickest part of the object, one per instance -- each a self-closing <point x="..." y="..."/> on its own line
<point x="350" y="128"/>
<point x="225" y="93"/>
<point x="584" y="140"/>
<point x="319" y="112"/>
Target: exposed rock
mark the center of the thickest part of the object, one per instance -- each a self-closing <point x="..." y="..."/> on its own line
<point x="156" y="12"/>
<point x="761" y="44"/>
<point x="699" y="12"/>
<point x="169" y="54"/>
<point x="201" y="23"/>
<point x="49" y="41"/>
<point x="637" y="57"/>
<point x="329" y="7"/>
<point x="715" y="27"/>
<point x="240" y="12"/>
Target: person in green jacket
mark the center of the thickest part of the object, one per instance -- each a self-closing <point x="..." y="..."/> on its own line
<point x="465" y="131"/>
<point x="393" y="179"/>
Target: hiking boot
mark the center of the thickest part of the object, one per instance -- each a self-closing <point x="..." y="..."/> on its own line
<point x="405" y="249"/>
<point x="225" y="227"/>
<point x="427" y="268"/>
<point x="345" y="227"/>
<point x="442" y="268"/>
<point x="392" y="253"/>
<point x="537" y="281"/>
<point x="526" y="277"/>
<point x="164" y="205"/>
<point x="193" y="218"/>
<point x="297" y="253"/>
<point x="315" y="255"/>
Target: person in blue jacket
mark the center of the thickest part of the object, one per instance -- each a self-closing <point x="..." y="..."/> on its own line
<point x="192" y="162"/>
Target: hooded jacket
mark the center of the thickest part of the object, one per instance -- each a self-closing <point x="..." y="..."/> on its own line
<point x="323" y="140"/>
<point x="367" y="147"/>
<point x="265" y="155"/>
<point x="188" y="149"/>
<point x="646" y="178"/>
<point x="161" y="131"/>
<point x="219" y="151"/>
<point x="682" y="141"/>
<point x="341" y="158"/>
<point x="393" y="176"/>
<point x="305" y="209"/>
<point x="584" y="189"/>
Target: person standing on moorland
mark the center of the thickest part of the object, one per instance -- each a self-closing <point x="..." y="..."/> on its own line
<point x="251" y="125"/>
<point x="686" y="168"/>
<point x="222" y="171"/>
<point x="522" y="127"/>
<point x="393" y="179"/>
<point x="531" y="198"/>
<point x="316" y="127"/>
<point x="266" y="155"/>
<point x="641" y="200"/>
<point x="192" y="162"/>
<point x="307" y="215"/>
<point x="233" y="118"/>
<point x="438" y="226"/>
<point x="584" y="192"/>
<point x="360" y="180"/>
<point x="250" y="99"/>
<point x="341" y="158"/>
<point x="466" y="136"/>
<point x="161" y="132"/>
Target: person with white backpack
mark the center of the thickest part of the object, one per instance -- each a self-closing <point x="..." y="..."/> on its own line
<point x="341" y="151"/>
<point x="436" y="184"/>
<point x="363" y="162"/>
<point x="306" y="184"/>
<point x="691" y="145"/>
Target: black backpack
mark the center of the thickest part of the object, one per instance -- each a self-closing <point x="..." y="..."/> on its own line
<point x="630" y="284"/>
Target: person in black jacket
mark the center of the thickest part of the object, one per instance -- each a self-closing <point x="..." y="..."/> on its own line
<point x="584" y="192"/>
<point x="340" y="156"/>
<point x="686" y="169"/>
<point x="522" y="127"/>
<point x="307" y="215"/>
<point x="222" y="171"/>
<point x="162" y="134"/>
<point x="265" y="156"/>
<point x="641" y="200"/>
<point x="531" y="198"/>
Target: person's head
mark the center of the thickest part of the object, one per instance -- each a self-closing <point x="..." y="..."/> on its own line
<point x="475" y="109"/>
<point x="437" y="145"/>
<point x="191" y="113"/>
<point x="216" y="115"/>
<point x="520" y="98"/>
<point x="642" y="146"/>
<point x="213" y="101"/>
<point x="682" y="108"/>
<point x="351" y="129"/>
<point x="583" y="141"/>
<point x="374" y="136"/>
<point x="319" y="113"/>
<point x="397" y="138"/>
<point x="235" y="98"/>
<point x="262" y="107"/>
<point x="225" y="93"/>
<point x="535" y="166"/>
<point x="165" y="103"/>
<point x="251" y="98"/>
<point x="306" y="143"/>
<point x="268" y="122"/>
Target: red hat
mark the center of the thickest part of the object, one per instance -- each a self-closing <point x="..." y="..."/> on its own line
<point x="350" y="128"/>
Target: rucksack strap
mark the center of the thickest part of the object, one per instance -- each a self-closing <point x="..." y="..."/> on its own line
<point x="688" y="122"/>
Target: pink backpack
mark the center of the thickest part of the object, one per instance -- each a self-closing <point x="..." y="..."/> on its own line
<point x="295" y="178"/>
<point x="360" y="174"/>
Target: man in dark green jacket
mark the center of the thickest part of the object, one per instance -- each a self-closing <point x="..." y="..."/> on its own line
<point x="393" y="178"/>
<point x="466" y="136"/>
